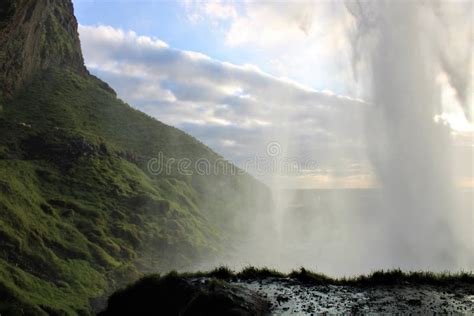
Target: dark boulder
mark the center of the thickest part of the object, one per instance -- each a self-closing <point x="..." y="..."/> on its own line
<point x="176" y="295"/>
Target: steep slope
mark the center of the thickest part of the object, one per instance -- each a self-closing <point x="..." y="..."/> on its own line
<point x="36" y="35"/>
<point x="80" y="213"/>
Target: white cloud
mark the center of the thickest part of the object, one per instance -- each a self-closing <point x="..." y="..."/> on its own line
<point x="220" y="10"/>
<point x="303" y="40"/>
<point x="310" y="41"/>
<point x="217" y="10"/>
<point x="271" y="23"/>
<point x="216" y="100"/>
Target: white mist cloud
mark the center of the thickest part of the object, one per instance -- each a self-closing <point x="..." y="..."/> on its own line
<point x="424" y="223"/>
<point x="410" y="78"/>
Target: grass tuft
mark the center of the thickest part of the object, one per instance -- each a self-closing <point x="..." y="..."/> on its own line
<point x="309" y="277"/>
<point x="223" y="273"/>
<point x="255" y="273"/>
<point x="382" y="277"/>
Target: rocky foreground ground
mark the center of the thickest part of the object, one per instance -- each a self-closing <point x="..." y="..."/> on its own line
<point x="267" y="292"/>
<point x="290" y="297"/>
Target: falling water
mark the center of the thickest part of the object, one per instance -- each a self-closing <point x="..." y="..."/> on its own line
<point x="410" y="152"/>
<point x="414" y="217"/>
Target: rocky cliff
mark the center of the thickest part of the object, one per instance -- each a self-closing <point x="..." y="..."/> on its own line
<point x="35" y="35"/>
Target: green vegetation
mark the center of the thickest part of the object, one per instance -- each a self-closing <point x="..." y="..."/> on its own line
<point x="79" y="213"/>
<point x="382" y="277"/>
<point x="226" y="273"/>
<point x="255" y="273"/>
<point x="397" y="276"/>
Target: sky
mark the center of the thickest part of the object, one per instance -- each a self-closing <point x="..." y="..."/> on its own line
<point x="245" y="76"/>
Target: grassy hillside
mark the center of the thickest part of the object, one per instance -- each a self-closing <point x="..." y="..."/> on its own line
<point x="79" y="212"/>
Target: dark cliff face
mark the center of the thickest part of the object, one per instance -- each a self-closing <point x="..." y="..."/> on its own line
<point x="35" y="35"/>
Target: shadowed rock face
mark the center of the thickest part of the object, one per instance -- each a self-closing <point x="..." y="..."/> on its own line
<point x="174" y="295"/>
<point x="35" y="35"/>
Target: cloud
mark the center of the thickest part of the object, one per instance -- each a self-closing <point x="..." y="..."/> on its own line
<point x="233" y="108"/>
<point x="277" y="23"/>
<point x="217" y="10"/>
<point x="318" y="35"/>
<point x="291" y="38"/>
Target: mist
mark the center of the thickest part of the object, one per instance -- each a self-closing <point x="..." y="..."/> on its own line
<point x="373" y="174"/>
<point x="415" y="217"/>
<point x="410" y="152"/>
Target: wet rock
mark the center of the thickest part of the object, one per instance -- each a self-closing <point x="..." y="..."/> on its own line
<point x="282" y="299"/>
<point x="413" y="299"/>
<point x="414" y="302"/>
